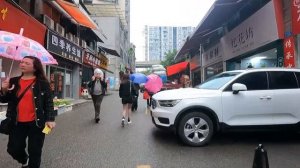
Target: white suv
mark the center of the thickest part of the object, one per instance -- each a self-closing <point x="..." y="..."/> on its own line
<point x="252" y="97"/>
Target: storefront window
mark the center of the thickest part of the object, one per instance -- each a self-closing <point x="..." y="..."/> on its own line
<point x="213" y="70"/>
<point x="196" y="78"/>
<point x="260" y="60"/>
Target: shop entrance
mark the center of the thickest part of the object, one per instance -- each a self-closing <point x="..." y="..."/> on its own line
<point x="61" y="82"/>
<point x="68" y="81"/>
<point x="57" y="81"/>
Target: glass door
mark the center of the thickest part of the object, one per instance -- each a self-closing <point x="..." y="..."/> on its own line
<point x="68" y="82"/>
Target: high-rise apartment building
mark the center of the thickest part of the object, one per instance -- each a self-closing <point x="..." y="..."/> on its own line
<point x="161" y="39"/>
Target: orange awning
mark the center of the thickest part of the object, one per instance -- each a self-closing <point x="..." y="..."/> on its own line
<point x="77" y="15"/>
<point x="176" y="68"/>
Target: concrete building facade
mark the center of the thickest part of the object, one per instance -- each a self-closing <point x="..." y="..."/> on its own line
<point x="113" y="17"/>
<point x="161" y="39"/>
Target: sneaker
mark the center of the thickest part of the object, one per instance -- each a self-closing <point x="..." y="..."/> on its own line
<point x="26" y="165"/>
<point x="123" y="122"/>
<point x="97" y="120"/>
<point x="129" y="121"/>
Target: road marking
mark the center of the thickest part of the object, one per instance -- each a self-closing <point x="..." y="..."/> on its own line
<point x="143" y="166"/>
<point x="146" y="111"/>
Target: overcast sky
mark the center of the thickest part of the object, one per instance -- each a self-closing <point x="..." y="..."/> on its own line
<point x="163" y="13"/>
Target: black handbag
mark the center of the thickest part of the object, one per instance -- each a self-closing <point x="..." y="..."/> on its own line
<point x="7" y="124"/>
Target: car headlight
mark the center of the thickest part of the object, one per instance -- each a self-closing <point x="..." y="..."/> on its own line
<point x="168" y="103"/>
<point x="154" y="105"/>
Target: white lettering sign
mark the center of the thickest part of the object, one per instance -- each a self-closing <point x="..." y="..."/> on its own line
<point x="257" y="31"/>
<point x="297" y="5"/>
<point x="54" y="40"/>
<point x="212" y="55"/>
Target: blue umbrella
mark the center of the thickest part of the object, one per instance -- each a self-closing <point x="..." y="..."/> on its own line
<point x="138" y="78"/>
<point x="163" y="78"/>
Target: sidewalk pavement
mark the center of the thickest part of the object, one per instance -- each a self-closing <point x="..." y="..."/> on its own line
<point x="74" y="102"/>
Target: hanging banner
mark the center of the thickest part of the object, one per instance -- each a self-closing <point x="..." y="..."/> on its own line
<point x="289" y="52"/>
<point x="296" y="17"/>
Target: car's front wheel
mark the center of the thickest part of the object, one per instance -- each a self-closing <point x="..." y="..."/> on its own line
<point x="195" y="129"/>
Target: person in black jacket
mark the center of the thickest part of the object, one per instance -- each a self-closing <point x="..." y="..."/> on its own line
<point x="134" y="106"/>
<point x="97" y="90"/>
<point x="126" y="92"/>
<point x="30" y="114"/>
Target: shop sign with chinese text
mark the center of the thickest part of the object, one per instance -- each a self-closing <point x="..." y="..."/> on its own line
<point x="296" y="16"/>
<point x="90" y="59"/>
<point x="289" y="52"/>
<point x="103" y="61"/>
<point x="63" y="47"/>
<point x="213" y="55"/>
<point x="13" y="19"/>
<point x="256" y="31"/>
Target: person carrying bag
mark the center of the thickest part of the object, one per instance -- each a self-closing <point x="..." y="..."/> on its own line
<point x="30" y="110"/>
<point x="7" y="124"/>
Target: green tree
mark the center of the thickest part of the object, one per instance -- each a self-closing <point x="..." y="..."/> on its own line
<point x="169" y="58"/>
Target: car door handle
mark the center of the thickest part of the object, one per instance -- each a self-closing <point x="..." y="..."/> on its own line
<point x="265" y="97"/>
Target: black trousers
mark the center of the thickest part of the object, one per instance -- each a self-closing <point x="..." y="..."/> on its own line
<point x="16" y="146"/>
<point x="97" y="100"/>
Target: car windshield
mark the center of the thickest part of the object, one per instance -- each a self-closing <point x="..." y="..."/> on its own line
<point x="217" y="81"/>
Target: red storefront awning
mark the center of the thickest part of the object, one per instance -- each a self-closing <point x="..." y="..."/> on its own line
<point x="13" y="19"/>
<point x="77" y="15"/>
<point x="176" y="68"/>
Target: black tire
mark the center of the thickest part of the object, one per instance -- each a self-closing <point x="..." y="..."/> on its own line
<point x="200" y="138"/>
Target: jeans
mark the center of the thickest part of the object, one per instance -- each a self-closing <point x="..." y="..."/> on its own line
<point x="16" y="146"/>
<point x="97" y="100"/>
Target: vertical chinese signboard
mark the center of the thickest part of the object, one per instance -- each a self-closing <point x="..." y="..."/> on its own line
<point x="296" y="17"/>
<point x="52" y="82"/>
<point x="289" y="52"/>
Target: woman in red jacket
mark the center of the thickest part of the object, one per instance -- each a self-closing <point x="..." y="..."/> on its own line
<point x="30" y="114"/>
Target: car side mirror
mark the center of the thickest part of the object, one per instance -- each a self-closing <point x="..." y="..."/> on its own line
<point x="237" y="87"/>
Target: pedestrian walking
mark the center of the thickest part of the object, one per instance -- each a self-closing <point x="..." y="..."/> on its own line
<point x="126" y="92"/>
<point x="136" y="97"/>
<point x="97" y="90"/>
<point x="30" y="108"/>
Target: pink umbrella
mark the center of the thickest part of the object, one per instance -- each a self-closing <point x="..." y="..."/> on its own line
<point x="154" y="83"/>
<point x="15" y="47"/>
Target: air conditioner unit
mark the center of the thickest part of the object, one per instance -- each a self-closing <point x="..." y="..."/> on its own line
<point x="83" y="44"/>
<point x="59" y="29"/>
<point x="48" y="22"/>
<point x="76" y="40"/>
<point x="69" y="36"/>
